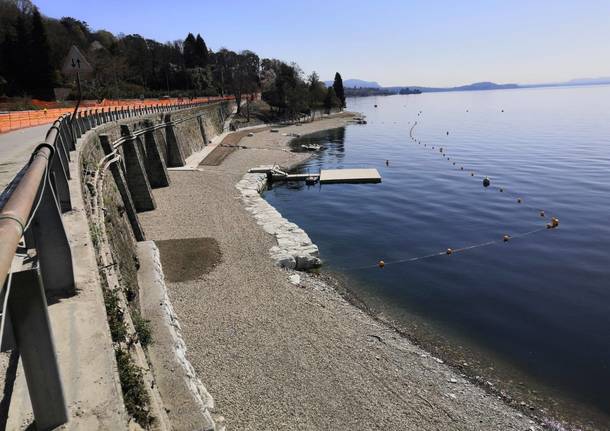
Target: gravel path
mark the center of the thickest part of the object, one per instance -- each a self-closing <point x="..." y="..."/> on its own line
<point x="276" y="356"/>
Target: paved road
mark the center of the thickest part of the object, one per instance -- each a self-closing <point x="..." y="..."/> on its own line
<point x="15" y="150"/>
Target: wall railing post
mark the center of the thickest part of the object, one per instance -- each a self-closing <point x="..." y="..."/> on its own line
<point x="27" y="308"/>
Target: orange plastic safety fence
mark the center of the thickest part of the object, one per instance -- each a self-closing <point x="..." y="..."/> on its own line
<point x="14" y="120"/>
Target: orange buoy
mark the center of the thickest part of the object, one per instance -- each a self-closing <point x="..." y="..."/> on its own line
<point x="506" y="238"/>
<point x="381" y="264"/>
<point x="449" y="251"/>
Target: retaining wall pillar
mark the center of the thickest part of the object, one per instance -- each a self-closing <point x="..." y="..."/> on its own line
<point x="202" y="130"/>
<point x="154" y="160"/>
<point x="175" y="156"/>
<point x="121" y="183"/>
<point x="135" y="173"/>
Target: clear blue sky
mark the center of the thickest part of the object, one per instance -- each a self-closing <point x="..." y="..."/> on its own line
<point x="394" y="42"/>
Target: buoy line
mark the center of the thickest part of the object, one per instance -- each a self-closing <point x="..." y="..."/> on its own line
<point x="554" y="222"/>
<point x="411" y="131"/>
<point x="448" y="252"/>
<point x="487" y="181"/>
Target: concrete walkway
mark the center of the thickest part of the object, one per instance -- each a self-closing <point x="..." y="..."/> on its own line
<point x="275" y="355"/>
<point x="15" y="150"/>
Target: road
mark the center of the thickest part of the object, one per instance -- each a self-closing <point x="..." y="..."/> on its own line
<point x="15" y="150"/>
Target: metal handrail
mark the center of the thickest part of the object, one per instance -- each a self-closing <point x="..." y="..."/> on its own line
<point x="16" y="212"/>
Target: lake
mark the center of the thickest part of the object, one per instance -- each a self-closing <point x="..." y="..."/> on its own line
<point x="535" y="307"/>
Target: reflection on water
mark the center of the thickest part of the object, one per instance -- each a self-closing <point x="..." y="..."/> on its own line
<point x="542" y="302"/>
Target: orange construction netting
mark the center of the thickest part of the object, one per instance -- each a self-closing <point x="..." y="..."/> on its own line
<point x="14" y="120"/>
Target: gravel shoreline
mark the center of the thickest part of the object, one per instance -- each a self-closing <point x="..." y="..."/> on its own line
<point x="280" y="354"/>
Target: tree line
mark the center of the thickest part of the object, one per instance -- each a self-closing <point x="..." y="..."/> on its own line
<point x="33" y="47"/>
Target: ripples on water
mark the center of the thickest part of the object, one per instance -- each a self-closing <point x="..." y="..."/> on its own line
<point x="541" y="302"/>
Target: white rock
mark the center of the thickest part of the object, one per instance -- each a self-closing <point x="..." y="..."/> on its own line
<point x="295" y="279"/>
<point x="294" y="247"/>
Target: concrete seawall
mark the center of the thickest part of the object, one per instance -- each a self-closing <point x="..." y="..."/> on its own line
<point x="142" y="166"/>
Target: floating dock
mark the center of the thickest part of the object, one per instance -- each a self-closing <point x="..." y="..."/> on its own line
<point x="326" y="176"/>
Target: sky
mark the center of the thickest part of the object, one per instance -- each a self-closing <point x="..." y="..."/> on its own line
<point x="393" y="42"/>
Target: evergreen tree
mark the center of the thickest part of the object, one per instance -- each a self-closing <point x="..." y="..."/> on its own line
<point x="331" y="100"/>
<point x="190" y="51"/>
<point x="22" y="73"/>
<point x="201" y="52"/>
<point x="338" y="87"/>
<point x="41" y="72"/>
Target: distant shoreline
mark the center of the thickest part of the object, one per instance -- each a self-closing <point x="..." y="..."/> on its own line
<point x="395" y="91"/>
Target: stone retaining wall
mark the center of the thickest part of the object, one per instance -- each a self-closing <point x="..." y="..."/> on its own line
<point x="295" y="249"/>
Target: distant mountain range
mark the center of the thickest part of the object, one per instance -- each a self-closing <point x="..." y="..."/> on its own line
<point x="356" y="83"/>
<point x="477" y="86"/>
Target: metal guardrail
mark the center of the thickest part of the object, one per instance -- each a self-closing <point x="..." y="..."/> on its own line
<point x="35" y="256"/>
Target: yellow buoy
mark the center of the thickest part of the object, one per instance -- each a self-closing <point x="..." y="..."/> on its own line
<point x="506" y="238"/>
<point x="381" y="264"/>
<point x="449" y="251"/>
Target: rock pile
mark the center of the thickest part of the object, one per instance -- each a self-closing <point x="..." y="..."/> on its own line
<point x="294" y="249"/>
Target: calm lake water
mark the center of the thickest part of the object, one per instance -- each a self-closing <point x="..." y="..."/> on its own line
<point x="541" y="303"/>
